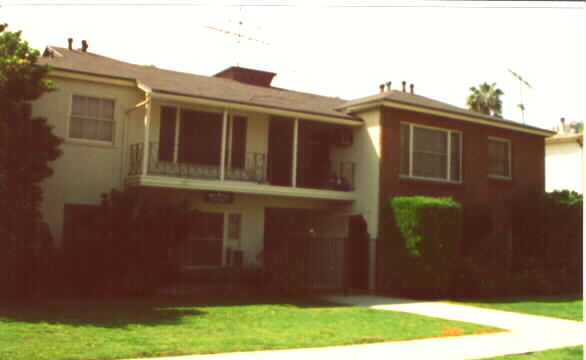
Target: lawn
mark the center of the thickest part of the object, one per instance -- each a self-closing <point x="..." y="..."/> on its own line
<point x="572" y="353"/>
<point x="567" y="307"/>
<point x="174" y="326"/>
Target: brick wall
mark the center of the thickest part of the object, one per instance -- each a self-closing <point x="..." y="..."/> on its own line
<point x="527" y="168"/>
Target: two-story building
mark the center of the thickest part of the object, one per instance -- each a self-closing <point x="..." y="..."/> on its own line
<point x="259" y="161"/>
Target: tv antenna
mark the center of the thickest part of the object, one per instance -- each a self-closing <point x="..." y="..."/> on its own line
<point x="522" y="82"/>
<point x="238" y="34"/>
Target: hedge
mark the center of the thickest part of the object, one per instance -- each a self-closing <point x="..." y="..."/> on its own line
<point x="425" y="243"/>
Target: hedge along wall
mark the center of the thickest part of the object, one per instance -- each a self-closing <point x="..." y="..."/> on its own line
<point x="547" y="238"/>
<point x="424" y="244"/>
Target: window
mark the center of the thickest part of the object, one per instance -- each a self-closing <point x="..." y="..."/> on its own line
<point x="92" y="118"/>
<point x="430" y="153"/>
<point x="499" y="158"/>
<point x="205" y="247"/>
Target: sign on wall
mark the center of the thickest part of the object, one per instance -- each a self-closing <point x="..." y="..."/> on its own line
<point x="220" y="197"/>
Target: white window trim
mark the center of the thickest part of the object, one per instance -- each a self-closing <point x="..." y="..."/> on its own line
<point x="509" y="155"/>
<point x="83" y="141"/>
<point x="448" y="161"/>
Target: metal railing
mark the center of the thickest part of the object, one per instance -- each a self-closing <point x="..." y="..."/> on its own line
<point x="254" y="169"/>
<point x="340" y="176"/>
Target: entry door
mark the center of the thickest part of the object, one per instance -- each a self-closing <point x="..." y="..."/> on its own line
<point x="357" y="254"/>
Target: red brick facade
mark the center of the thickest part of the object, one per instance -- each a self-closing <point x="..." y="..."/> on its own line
<point x="476" y="189"/>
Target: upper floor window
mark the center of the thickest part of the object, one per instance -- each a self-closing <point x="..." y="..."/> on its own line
<point x="430" y="153"/>
<point x="92" y="118"/>
<point x="499" y="158"/>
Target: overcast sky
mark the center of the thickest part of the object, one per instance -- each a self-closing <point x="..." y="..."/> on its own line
<point x="333" y="48"/>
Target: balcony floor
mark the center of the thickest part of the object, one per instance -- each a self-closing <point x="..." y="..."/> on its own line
<point x="242" y="187"/>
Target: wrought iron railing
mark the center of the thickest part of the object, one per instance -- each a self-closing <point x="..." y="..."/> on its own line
<point x="340" y="177"/>
<point x="254" y="169"/>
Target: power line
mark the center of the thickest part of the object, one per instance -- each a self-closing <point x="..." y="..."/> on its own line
<point x="442" y="6"/>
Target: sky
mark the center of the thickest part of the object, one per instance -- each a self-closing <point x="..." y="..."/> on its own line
<point x="342" y="48"/>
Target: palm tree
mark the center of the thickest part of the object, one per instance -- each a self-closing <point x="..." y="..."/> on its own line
<point x="485" y="99"/>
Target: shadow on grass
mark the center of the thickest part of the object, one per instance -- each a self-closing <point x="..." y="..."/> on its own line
<point x="120" y="313"/>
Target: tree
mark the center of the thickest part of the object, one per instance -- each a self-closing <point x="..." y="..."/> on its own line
<point x="27" y="144"/>
<point x="485" y="99"/>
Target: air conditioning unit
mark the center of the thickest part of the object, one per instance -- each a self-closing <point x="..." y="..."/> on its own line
<point x="343" y="137"/>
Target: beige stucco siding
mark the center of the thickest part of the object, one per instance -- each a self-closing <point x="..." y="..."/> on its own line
<point x="86" y="169"/>
<point x="564" y="167"/>
<point x="252" y="210"/>
<point x="365" y="153"/>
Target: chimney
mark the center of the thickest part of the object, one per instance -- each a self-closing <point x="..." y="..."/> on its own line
<point x="70" y="42"/>
<point x="382" y="88"/>
<point x="84" y="46"/>
<point x="388" y="86"/>
<point x="563" y="127"/>
<point x="403" y="83"/>
<point x="411" y="88"/>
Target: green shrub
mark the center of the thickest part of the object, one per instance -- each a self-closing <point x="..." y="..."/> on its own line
<point x="128" y="253"/>
<point x="547" y="230"/>
<point x="425" y="244"/>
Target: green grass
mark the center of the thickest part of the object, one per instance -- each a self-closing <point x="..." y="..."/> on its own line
<point x="158" y="327"/>
<point x="565" y="307"/>
<point x="572" y="353"/>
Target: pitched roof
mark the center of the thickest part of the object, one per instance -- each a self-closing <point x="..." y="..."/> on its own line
<point x="209" y="87"/>
<point x="228" y="90"/>
<point x="407" y="98"/>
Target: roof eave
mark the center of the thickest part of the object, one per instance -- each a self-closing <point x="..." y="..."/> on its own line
<point x="342" y="120"/>
<point x="83" y="75"/>
<point x="351" y="109"/>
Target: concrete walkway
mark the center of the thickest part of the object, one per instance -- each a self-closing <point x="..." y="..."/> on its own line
<point x="528" y="333"/>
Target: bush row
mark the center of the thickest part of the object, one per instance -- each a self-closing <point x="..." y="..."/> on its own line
<point x="434" y="247"/>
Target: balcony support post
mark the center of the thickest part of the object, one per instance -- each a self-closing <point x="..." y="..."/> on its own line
<point x="177" y="134"/>
<point x="147" y="127"/>
<point x="295" y="148"/>
<point x="223" y="149"/>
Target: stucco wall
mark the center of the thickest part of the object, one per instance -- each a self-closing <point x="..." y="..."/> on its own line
<point x="252" y="209"/>
<point x="365" y="153"/>
<point x="564" y="165"/>
<point x="86" y="169"/>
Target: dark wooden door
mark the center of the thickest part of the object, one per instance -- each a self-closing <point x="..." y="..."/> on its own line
<point x="357" y="254"/>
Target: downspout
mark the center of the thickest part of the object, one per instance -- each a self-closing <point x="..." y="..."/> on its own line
<point x="147" y="103"/>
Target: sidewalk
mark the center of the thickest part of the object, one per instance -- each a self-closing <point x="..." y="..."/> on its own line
<point x="528" y="333"/>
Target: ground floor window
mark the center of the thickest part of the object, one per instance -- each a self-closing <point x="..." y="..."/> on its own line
<point x="216" y="232"/>
<point x="205" y="246"/>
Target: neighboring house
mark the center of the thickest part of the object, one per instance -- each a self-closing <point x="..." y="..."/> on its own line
<point x="260" y="162"/>
<point x="564" y="159"/>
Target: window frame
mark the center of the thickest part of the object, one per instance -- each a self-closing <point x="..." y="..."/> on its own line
<point x="83" y="140"/>
<point x="509" y="158"/>
<point x="448" y="133"/>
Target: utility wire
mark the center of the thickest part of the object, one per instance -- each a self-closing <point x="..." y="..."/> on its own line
<point x="443" y="6"/>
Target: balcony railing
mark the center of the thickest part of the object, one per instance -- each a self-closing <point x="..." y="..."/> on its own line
<point x="254" y="169"/>
<point x="341" y="174"/>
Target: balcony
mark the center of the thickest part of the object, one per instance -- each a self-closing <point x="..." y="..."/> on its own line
<point x="253" y="176"/>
